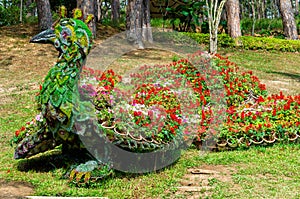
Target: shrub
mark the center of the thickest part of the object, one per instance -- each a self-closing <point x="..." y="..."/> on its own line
<point x="267" y="43"/>
<point x="224" y="40"/>
<point x="250" y="42"/>
<point x="9" y="15"/>
<point x="261" y="25"/>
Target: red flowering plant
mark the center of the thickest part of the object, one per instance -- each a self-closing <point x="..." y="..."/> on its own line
<point x="238" y="84"/>
<point x="98" y="86"/>
<point x="153" y="110"/>
<point x="157" y="101"/>
<point x="29" y="128"/>
<point x="204" y="77"/>
<point x="250" y="111"/>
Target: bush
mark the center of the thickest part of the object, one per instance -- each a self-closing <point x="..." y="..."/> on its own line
<point x="224" y="40"/>
<point x="250" y="42"/>
<point x="266" y="43"/>
<point x="261" y="25"/>
<point x="9" y="16"/>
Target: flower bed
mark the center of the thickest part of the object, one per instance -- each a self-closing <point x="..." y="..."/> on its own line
<point x="163" y="108"/>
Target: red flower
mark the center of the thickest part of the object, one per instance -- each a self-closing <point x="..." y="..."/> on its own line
<point x="17" y="133"/>
<point x="262" y="86"/>
<point x="150" y="113"/>
<point x="260" y="99"/>
<point x="23" y="128"/>
<point x="243" y="115"/>
<point x="137" y="113"/>
<point x="230" y="110"/>
<point x="203" y="115"/>
<point x="274" y="112"/>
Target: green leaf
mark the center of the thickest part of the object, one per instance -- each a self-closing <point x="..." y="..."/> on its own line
<point x="67" y="108"/>
<point x="185" y="13"/>
<point x="56" y="98"/>
<point x="169" y="9"/>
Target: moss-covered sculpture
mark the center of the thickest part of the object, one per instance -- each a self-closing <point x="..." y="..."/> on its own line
<point x="62" y="104"/>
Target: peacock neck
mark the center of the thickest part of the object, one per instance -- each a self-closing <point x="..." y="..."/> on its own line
<point x="62" y="79"/>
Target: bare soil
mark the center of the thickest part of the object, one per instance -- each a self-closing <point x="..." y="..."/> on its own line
<point x="15" y="190"/>
<point x="198" y="182"/>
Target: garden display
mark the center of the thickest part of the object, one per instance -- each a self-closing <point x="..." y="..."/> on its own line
<point x="72" y="94"/>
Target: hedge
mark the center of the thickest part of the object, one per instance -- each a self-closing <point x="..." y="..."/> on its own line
<point x="250" y="42"/>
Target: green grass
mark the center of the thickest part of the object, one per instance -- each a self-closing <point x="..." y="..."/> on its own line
<point x="255" y="173"/>
<point x="259" y="172"/>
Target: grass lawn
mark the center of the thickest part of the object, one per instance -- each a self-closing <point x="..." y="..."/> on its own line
<point x="259" y="172"/>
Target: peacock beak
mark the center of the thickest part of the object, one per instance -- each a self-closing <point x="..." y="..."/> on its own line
<point x="45" y="37"/>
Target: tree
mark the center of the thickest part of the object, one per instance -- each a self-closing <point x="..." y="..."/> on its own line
<point x="115" y="11"/>
<point x="88" y="7"/>
<point x="146" y="22"/>
<point x="288" y="19"/>
<point x="138" y="22"/>
<point x="214" y="11"/>
<point x="44" y="14"/>
<point x="296" y="7"/>
<point x="233" y="18"/>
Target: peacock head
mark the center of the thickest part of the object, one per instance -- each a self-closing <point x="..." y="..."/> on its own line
<point x="69" y="36"/>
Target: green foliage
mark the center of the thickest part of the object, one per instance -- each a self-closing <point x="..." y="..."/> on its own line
<point x="188" y="15"/>
<point x="160" y="22"/>
<point x="267" y="43"/>
<point x="261" y="25"/>
<point x="9" y="15"/>
<point x="224" y="40"/>
<point x="250" y="42"/>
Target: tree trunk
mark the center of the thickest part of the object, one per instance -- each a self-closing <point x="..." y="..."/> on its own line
<point x="44" y="14"/>
<point x="138" y="22"/>
<point x="214" y="10"/>
<point x="99" y="10"/>
<point x="30" y="10"/>
<point x="253" y="17"/>
<point x="147" y="30"/>
<point x="296" y="8"/>
<point x="21" y="11"/>
<point x="233" y="18"/>
<point x="88" y="7"/>
<point x="115" y="11"/>
<point x="288" y="20"/>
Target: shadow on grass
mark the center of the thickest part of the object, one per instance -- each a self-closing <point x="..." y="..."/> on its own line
<point x="55" y="159"/>
<point x="295" y="76"/>
<point x="52" y="160"/>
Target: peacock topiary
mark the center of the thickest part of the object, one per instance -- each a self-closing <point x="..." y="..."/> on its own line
<point x="68" y="111"/>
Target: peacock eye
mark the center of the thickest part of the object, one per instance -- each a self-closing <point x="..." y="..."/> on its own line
<point x="56" y="44"/>
<point x="64" y="22"/>
<point x="73" y="23"/>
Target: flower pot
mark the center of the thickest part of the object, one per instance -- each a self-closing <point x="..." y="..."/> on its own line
<point x="244" y="142"/>
<point x="232" y="142"/>
<point x="292" y="137"/>
<point x="221" y="143"/>
<point x="278" y="137"/>
<point x="269" y="139"/>
<point x="105" y="125"/>
<point x="257" y="140"/>
<point x="120" y="133"/>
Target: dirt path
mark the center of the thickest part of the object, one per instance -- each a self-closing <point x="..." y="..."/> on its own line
<point x="15" y="190"/>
